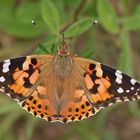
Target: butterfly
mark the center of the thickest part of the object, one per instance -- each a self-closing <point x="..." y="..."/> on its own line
<point x="64" y="87"/>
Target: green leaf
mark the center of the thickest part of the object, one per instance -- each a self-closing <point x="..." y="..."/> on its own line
<point x="7" y="108"/>
<point x="31" y="124"/>
<point x="110" y="135"/>
<point x="107" y="16"/>
<point x="17" y="22"/>
<point x="78" y="27"/>
<point x="8" y="136"/>
<point x="137" y="11"/>
<point x="134" y="109"/>
<point x="125" y="62"/>
<point x="131" y="23"/>
<point x="23" y="10"/>
<point x="53" y="49"/>
<point x="88" y="54"/>
<point x="48" y="46"/>
<point x="20" y="29"/>
<point x="83" y="130"/>
<point x="50" y="15"/>
<point x="41" y="49"/>
<point x="10" y="121"/>
<point x="6" y="7"/>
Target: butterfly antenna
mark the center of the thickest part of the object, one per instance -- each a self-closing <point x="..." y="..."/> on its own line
<point x="63" y="39"/>
<point x="95" y="22"/>
<point x="34" y="23"/>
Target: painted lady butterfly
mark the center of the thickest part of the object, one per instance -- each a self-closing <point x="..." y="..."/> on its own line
<point x="64" y="87"/>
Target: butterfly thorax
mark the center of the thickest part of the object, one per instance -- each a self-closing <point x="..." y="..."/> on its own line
<point x="63" y="62"/>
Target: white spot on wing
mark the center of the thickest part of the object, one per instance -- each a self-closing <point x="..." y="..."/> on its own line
<point x="6" y="65"/>
<point x="128" y="91"/>
<point x="118" y="100"/>
<point x="7" y="61"/>
<point x="119" y="72"/>
<point x="6" y="69"/>
<point x="118" y="77"/>
<point x="2" y="79"/>
<point x="120" y="90"/>
<point x="133" y="81"/>
<point x="138" y="97"/>
<point x="119" y="81"/>
<point x="110" y="104"/>
<point x="132" y="88"/>
<point x="2" y="90"/>
<point x="126" y="99"/>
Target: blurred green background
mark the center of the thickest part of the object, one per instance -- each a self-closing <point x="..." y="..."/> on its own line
<point x="114" y="41"/>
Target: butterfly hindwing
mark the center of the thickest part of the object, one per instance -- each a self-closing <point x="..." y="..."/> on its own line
<point x="78" y="108"/>
<point x="39" y="105"/>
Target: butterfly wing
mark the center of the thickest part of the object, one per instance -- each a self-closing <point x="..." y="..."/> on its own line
<point x="22" y="79"/>
<point x="106" y="86"/>
<point x="18" y="76"/>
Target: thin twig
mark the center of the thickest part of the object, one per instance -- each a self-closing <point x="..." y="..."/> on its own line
<point x="75" y="15"/>
<point x="79" y="9"/>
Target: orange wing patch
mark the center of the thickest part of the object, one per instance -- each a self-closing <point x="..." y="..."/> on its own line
<point x="97" y="84"/>
<point x="39" y="105"/>
<point x="20" y="75"/>
<point x="77" y="109"/>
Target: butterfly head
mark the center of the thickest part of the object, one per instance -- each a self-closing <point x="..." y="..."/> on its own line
<point x="63" y="48"/>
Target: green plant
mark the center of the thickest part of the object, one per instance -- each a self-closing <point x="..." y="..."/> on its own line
<point x="109" y="42"/>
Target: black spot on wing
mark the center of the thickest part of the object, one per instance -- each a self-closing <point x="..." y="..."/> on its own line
<point x="92" y="66"/>
<point x="33" y="61"/>
<point x="93" y="76"/>
<point x="30" y="70"/>
<point x="17" y="63"/>
<point x="94" y="89"/>
<point x="49" y="119"/>
<point x="27" y="83"/>
<point x="109" y="72"/>
<point x="41" y="115"/>
<point x="65" y="120"/>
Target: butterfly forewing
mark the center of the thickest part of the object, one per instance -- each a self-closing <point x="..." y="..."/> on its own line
<point x="107" y="85"/>
<point x="19" y="76"/>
